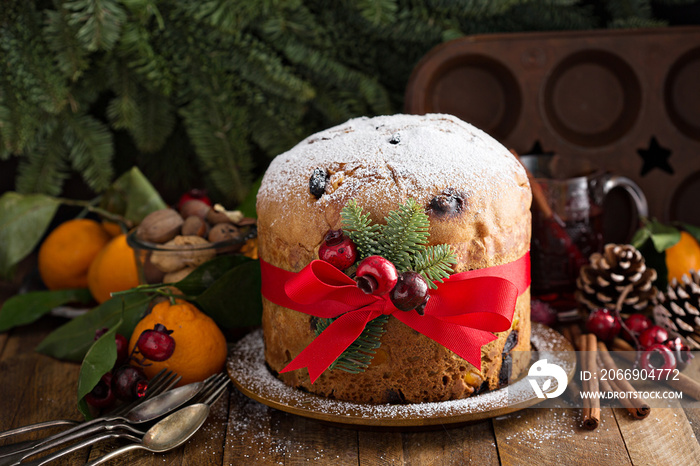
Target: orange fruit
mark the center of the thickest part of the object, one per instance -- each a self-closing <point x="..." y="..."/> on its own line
<point x="200" y="346"/>
<point x="683" y="256"/>
<point x="67" y="252"/>
<point x="113" y="228"/>
<point x="114" y="269"/>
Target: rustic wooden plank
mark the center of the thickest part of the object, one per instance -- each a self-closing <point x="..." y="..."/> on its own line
<point x="31" y="396"/>
<point x="554" y="436"/>
<point x="206" y="447"/>
<point x="693" y="415"/>
<point x="306" y="440"/>
<point x="473" y="443"/>
<point x="3" y="342"/>
<point x="380" y="448"/>
<point x="45" y="388"/>
<point x="249" y="437"/>
<point x="665" y="437"/>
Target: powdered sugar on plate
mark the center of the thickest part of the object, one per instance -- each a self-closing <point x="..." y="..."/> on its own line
<point x="246" y="367"/>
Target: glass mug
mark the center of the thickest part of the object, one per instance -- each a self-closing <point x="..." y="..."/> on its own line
<point x="569" y="228"/>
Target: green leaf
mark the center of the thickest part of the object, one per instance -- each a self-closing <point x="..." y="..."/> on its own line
<point x="25" y="308"/>
<point x="208" y="273"/>
<point x="663" y="236"/>
<point x="640" y="237"/>
<point x="99" y="360"/>
<point x="133" y="196"/>
<point x="234" y="300"/>
<point x="23" y="221"/>
<point x="72" y="340"/>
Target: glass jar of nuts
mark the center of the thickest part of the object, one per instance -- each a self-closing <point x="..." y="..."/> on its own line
<point x="169" y="244"/>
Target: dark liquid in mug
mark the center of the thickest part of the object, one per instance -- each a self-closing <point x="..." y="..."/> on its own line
<point x="554" y="265"/>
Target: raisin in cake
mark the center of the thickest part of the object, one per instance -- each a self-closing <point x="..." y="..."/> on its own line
<point x="477" y="197"/>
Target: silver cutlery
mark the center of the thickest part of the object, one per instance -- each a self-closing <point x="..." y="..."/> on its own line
<point x="160" y="382"/>
<point x="172" y="431"/>
<point x="166" y="434"/>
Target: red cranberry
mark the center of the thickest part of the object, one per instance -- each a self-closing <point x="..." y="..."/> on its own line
<point x="657" y="357"/>
<point x="411" y="291"/>
<point x="604" y="324"/>
<point x="102" y="395"/>
<point x="156" y="344"/>
<point x="637" y="324"/>
<point x="338" y="250"/>
<point x="128" y="383"/>
<point x="376" y="275"/>
<point x="122" y="346"/>
<point x="652" y="336"/>
<point x="680" y="350"/>
<point x="196" y="194"/>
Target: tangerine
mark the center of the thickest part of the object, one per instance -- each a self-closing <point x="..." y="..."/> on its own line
<point x="114" y="269"/>
<point x="113" y="228"/>
<point x="200" y="346"/>
<point x="67" y="252"/>
<point x="683" y="257"/>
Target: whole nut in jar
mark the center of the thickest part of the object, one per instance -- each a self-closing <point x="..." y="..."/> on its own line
<point x="195" y="207"/>
<point x="215" y="217"/>
<point x="191" y="252"/>
<point x="223" y="232"/>
<point x="160" y="226"/>
<point x="194" y="226"/>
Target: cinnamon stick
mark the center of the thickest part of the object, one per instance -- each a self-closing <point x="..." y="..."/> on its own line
<point x="591" y="404"/>
<point x="635" y="406"/>
<point x="609" y="385"/>
<point x="685" y="384"/>
<point x="618" y="344"/>
<point x="572" y="333"/>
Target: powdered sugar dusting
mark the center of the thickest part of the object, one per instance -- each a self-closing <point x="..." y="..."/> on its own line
<point x="396" y="156"/>
<point x="246" y="365"/>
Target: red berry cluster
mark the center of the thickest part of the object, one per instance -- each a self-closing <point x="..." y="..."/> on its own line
<point x="658" y="350"/>
<point x="375" y="274"/>
<point x="126" y="382"/>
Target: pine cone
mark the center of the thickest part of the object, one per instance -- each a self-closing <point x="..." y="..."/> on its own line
<point x="678" y="308"/>
<point x="601" y="283"/>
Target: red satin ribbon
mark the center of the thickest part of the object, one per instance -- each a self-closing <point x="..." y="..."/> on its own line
<point x="462" y="313"/>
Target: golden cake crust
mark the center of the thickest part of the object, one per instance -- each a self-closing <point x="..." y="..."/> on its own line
<point x="477" y="197"/>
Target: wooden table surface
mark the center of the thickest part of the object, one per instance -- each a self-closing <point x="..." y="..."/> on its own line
<point x="36" y="388"/>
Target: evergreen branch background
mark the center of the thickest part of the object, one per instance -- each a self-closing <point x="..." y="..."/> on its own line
<point x="212" y="90"/>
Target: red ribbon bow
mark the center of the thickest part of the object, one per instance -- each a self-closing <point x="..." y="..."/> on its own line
<point x="462" y="313"/>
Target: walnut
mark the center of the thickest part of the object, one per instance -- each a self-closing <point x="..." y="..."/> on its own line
<point x="184" y="251"/>
<point x="160" y="226"/>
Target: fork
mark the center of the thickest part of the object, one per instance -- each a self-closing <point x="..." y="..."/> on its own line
<point x="157" y="384"/>
<point x="209" y="394"/>
<point x="161" y="382"/>
<point x="208" y="401"/>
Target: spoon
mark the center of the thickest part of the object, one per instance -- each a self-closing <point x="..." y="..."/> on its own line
<point x="146" y="411"/>
<point x="168" y="433"/>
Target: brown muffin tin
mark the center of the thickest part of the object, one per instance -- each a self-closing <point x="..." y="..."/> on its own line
<point x="626" y="101"/>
